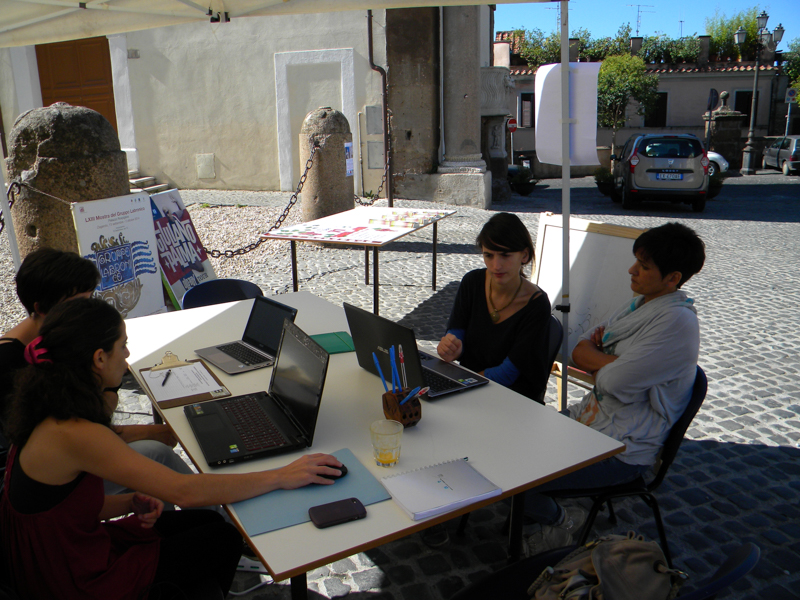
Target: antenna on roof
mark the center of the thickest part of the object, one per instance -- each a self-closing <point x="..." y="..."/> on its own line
<point x="639" y="12"/>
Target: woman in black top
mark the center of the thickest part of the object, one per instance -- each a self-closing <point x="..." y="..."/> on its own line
<point x="500" y="320"/>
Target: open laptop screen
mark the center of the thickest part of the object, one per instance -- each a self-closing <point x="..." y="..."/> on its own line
<point x="265" y="324"/>
<point x="298" y="377"/>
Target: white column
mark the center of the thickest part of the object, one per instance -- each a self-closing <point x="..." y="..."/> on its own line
<point x="123" y="101"/>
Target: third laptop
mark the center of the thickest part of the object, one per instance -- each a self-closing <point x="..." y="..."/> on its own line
<point x="259" y="344"/>
<point x="372" y="333"/>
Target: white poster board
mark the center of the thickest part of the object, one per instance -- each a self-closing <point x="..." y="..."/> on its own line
<point x="117" y="235"/>
<point x="600" y="256"/>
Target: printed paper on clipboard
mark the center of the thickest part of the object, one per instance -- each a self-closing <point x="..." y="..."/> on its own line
<point x="182" y="383"/>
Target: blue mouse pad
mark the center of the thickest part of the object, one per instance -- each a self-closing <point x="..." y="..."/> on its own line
<point x="284" y="508"/>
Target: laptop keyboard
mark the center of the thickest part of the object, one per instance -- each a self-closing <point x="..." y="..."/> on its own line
<point x="252" y="424"/>
<point x="243" y="354"/>
<point x="438" y="382"/>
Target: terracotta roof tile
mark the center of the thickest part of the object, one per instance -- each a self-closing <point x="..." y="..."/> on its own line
<point x="731" y="67"/>
<point x="508" y="36"/>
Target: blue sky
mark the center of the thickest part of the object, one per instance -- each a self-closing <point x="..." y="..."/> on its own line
<point x="603" y="17"/>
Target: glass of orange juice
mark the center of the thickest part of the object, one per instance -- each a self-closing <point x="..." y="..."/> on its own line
<point x="386" y="442"/>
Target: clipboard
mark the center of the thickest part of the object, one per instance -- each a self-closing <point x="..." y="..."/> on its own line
<point x="182" y="375"/>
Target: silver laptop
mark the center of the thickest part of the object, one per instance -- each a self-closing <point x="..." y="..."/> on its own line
<point x="259" y="344"/>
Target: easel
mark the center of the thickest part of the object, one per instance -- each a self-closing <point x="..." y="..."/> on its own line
<point x="600" y="254"/>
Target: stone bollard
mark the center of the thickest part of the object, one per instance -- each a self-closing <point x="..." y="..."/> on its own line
<point x="70" y="152"/>
<point x="328" y="189"/>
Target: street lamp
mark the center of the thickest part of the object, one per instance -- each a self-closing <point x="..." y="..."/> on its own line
<point x="765" y="39"/>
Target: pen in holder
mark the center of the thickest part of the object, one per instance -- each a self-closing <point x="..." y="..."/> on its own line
<point x="408" y="413"/>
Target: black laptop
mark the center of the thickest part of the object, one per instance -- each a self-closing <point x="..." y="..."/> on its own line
<point x="266" y="423"/>
<point x="259" y="344"/>
<point x="372" y="333"/>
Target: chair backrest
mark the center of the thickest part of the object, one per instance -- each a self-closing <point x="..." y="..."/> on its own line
<point x="675" y="437"/>
<point x="740" y="562"/>
<point x="555" y="335"/>
<point x="218" y="291"/>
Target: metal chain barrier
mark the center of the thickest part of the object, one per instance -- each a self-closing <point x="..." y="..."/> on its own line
<point x="14" y="188"/>
<point x="377" y="195"/>
<point x="278" y="223"/>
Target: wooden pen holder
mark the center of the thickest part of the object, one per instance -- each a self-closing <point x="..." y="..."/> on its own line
<point x="408" y="414"/>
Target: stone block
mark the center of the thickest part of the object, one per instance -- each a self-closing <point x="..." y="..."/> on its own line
<point x="461" y="189"/>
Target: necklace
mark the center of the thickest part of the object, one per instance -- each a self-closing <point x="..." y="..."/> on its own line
<point x="495" y="314"/>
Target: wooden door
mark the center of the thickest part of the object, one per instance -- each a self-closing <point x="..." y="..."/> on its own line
<point x="78" y="72"/>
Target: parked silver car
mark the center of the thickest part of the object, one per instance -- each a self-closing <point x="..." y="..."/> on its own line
<point x="716" y="163"/>
<point x="783" y="154"/>
<point x="662" y="166"/>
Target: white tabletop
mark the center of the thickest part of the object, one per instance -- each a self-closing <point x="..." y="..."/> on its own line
<point x="515" y="442"/>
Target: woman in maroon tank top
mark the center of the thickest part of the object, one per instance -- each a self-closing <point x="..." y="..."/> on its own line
<point x="54" y="511"/>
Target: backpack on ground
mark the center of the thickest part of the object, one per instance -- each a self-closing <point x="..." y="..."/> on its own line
<point x="613" y="567"/>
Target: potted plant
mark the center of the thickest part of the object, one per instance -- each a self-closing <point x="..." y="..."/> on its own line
<point x="522" y="181"/>
<point x="604" y="180"/>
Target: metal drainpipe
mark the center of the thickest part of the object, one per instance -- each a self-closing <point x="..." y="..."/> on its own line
<point x="387" y="149"/>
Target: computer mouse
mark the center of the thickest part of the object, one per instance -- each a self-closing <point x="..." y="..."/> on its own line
<point x="343" y="469"/>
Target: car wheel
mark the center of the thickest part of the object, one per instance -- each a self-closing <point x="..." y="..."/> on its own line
<point x="616" y="196"/>
<point x="785" y="168"/>
<point x="699" y="204"/>
<point x="627" y="200"/>
<point x="713" y="168"/>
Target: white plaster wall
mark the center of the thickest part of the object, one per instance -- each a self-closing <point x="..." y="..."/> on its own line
<point x="203" y="88"/>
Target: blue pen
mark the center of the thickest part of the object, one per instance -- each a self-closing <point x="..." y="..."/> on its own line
<point x="394" y="369"/>
<point x="397" y="374"/>
<point x="378" y="365"/>
<point x="413" y="393"/>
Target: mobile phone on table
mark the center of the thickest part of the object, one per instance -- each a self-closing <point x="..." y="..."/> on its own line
<point x="337" y="512"/>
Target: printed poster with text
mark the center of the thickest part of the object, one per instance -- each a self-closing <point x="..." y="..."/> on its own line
<point x="117" y="235"/>
<point x="184" y="262"/>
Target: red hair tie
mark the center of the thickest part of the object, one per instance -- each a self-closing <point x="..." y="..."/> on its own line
<point x="33" y="354"/>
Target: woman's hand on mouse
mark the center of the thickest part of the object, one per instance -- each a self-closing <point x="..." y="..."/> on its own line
<point x="450" y="348"/>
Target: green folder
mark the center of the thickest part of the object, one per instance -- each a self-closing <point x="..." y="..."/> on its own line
<point x="336" y="342"/>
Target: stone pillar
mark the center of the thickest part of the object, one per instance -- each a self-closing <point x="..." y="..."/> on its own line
<point x="496" y="89"/>
<point x="461" y="107"/>
<point x="461" y="94"/>
<point x="70" y="152"/>
<point x="328" y="189"/>
<point x="726" y="132"/>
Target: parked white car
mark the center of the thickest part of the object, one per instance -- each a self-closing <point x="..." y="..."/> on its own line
<point x="717" y="163"/>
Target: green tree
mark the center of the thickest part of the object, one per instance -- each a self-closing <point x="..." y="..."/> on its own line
<point x="660" y="48"/>
<point x="623" y="78"/>
<point x="539" y="49"/>
<point x="598" y="49"/>
<point x="723" y="34"/>
<point x="792" y="65"/>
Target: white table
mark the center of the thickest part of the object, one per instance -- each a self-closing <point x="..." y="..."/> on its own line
<point x="369" y="226"/>
<point x="513" y="441"/>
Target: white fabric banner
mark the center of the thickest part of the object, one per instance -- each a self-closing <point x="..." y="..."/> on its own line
<point x="582" y="109"/>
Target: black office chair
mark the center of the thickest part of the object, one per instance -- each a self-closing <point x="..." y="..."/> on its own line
<point x="217" y="291"/>
<point x="555" y="335"/>
<point x="639" y="487"/>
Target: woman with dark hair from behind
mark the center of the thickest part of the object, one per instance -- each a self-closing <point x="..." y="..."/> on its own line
<point x="54" y="511"/>
<point x="500" y="320"/>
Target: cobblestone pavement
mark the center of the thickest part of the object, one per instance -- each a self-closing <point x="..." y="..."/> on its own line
<point x="736" y="476"/>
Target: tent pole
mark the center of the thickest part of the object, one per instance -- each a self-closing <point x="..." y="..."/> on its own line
<point x="565" y="199"/>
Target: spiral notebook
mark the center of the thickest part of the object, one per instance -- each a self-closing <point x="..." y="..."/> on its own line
<point x="430" y="491"/>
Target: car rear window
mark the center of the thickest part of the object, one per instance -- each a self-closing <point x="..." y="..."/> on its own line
<point x="670" y="148"/>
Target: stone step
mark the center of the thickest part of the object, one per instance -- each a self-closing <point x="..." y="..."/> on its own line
<point x="143" y="182"/>
<point x="155" y="189"/>
<point x="133" y="174"/>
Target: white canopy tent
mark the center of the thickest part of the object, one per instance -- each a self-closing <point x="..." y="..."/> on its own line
<point x="30" y="22"/>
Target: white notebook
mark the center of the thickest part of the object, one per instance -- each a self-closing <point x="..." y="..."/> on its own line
<point x="433" y="490"/>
